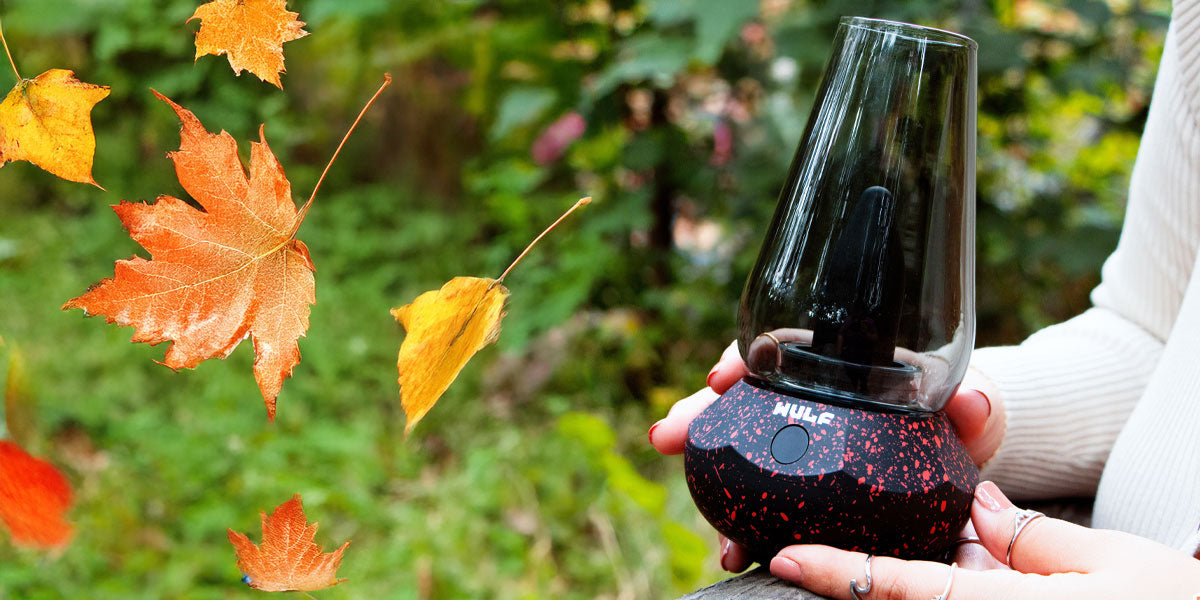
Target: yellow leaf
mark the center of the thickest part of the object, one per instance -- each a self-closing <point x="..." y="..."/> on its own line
<point x="444" y="329"/>
<point x="48" y="122"/>
<point x="251" y="34"/>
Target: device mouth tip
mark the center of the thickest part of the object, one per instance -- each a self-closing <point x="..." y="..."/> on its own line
<point x="910" y="31"/>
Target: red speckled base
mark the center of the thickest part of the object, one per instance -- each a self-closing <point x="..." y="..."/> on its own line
<point x="885" y="483"/>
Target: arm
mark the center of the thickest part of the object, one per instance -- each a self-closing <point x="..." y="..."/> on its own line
<point x="1066" y="393"/>
<point x="1068" y="390"/>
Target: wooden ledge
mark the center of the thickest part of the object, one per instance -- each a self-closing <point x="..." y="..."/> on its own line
<point x="753" y="585"/>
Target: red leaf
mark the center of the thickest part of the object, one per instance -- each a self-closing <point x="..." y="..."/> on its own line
<point x="33" y="498"/>
<point x="288" y="559"/>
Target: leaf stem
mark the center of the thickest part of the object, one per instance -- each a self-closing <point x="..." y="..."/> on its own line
<point x="581" y="202"/>
<point x="387" y="80"/>
<point x="9" y="54"/>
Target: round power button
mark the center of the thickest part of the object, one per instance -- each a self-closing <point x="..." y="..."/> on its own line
<point x="789" y="445"/>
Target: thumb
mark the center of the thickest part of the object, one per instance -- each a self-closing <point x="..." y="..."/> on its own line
<point x="968" y="411"/>
<point x="1044" y="546"/>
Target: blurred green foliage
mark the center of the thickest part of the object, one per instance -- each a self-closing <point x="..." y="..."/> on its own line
<point x="532" y="477"/>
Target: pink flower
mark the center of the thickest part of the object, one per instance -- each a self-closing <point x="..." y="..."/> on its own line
<point x="557" y="137"/>
<point x="722" y="143"/>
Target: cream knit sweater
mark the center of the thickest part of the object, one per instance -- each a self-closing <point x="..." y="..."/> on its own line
<point x="1108" y="403"/>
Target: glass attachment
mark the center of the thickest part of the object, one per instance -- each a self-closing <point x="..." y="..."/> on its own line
<point x="864" y="289"/>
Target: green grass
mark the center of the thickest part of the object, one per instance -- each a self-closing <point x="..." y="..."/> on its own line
<point x="500" y="492"/>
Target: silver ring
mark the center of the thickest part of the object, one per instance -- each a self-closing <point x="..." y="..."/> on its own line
<point x="968" y="540"/>
<point x="949" y="584"/>
<point x="1020" y="522"/>
<point x="855" y="590"/>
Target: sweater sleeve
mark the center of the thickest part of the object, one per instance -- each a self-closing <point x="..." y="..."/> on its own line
<point x="1069" y="389"/>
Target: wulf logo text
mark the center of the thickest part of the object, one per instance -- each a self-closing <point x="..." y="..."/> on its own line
<point x="802" y="413"/>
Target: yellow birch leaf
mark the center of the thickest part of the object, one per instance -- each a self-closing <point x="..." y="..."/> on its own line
<point x="444" y="329"/>
<point x="47" y="121"/>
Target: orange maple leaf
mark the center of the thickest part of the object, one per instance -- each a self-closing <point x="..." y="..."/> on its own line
<point x="33" y="498"/>
<point x="219" y="275"/>
<point x="250" y="33"/>
<point x="289" y="558"/>
<point x="47" y="121"/>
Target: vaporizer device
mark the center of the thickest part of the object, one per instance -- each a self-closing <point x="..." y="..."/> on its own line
<point x="857" y="321"/>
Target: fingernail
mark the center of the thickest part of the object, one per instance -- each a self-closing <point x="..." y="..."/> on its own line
<point x="650" y="434"/>
<point x="991" y="497"/>
<point x="986" y="399"/>
<point x="708" y="380"/>
<point x="785" y="568"/>
<point x="725" y="553"/>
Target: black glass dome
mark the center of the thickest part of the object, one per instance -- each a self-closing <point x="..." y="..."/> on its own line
<point x="863" y="291"/>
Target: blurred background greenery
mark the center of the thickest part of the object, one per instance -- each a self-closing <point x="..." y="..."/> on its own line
<point x="532" y="477"/>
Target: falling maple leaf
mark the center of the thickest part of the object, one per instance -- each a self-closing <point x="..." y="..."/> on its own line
<point x="251" y="34"/>
<point x="444" y="328"/>
<point x="218" y="275"/>
<point x="33" y="499"/>
<point x="289" y="558"/>
<point x="47" y="121"/>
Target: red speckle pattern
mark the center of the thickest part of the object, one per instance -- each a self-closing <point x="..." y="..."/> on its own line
<point x="886" y="483"/>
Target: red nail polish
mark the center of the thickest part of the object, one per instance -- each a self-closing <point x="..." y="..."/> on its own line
<point x="725" y="553"/>
<point x="650" y="434"/>
<point x="708" y="380"/>
<point x="786" y="568"/>
<point x="991" y="497"/>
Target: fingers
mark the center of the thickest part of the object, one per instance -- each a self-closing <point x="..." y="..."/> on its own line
<point x="728" y="371"/>
<point x="1045" y="545"/>
<point x="981" y="443"/>
<point x="968" y="410"/>
<point x="973" y="555"/>
<point x="669" y="435"/>
<point x="976" y="558"/>
<point x="733" y="556"/>
<point x="828" y="571"/>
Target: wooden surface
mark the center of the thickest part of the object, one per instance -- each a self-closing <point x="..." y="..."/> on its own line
<point x="759" y="584"/>
<point x="753" y="585"/>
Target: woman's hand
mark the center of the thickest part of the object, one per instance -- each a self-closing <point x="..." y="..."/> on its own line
<point x="1051" y="559"/>
<point x="975" y="411"/>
